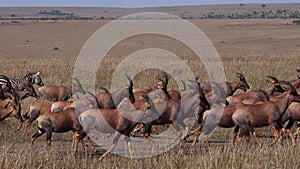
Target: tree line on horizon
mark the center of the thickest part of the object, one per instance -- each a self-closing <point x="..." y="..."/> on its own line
<point x="254" y="14"/>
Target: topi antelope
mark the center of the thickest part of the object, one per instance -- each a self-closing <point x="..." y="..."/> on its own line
<point x="108" y="100"/>
<point x="266" y="114"/>
<point x="224" y="116"/>
<point x="120" y="121"/>
<point x="61" y="93"/>
<point x="61" y="122"/>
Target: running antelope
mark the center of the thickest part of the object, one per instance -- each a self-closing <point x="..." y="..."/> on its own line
<point x="266" y="114"/>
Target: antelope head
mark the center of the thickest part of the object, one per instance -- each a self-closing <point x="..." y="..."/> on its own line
<point x="243" y="83"/>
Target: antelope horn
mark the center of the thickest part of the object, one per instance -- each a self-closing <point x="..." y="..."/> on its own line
<point x="197" y="78"/>
<point x="166" y="75"/>
<point x="293" y="89"/>
<point x="131" y="96"/>
<point x="240" y="75"/>
<point x="104" y="89"/>
<point x="130" y="81"/>
<point x="183" y="85"/>
<point x="76" y="80"/>
<point x="160" y="79"/>
<point x="273" y="78"/>
<point x="78" y="83"/>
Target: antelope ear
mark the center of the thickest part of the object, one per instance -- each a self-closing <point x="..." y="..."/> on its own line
<point x="37" y="73"/>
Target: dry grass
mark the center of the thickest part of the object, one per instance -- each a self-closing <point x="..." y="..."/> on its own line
<point x="253" y="47"/>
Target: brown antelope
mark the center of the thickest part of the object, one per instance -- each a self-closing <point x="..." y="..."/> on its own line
<point x="292" y="115"/>
<point x="61" y="122"/>
<point x="7" y="106"/>
<point x="17" y="95"/>
<point x="6" y="112"/>
<point x="108" y="100"/>
<point x="176" y="111"/>
<point x="224" y="119"/>
<point x="20" y="87"/>
<point x="119" y="121"/>
<point x="176" y="94"/>
<point x="274" y="88"/>
<point x="34" y="112"/>
<point x="60" y="105"/>
<point x="85" y="103"/>
<point x="61" y="93"/>
<point x="148" y="89"/>
<point x="162" y="85"/>
<point x="231" y="87"/>
<point x="296" y="82"/>
<point x="266" y="114"/>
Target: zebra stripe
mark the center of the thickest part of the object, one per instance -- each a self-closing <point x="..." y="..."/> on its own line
<point x="33" y="78"/>
<point x="14" y="81"/>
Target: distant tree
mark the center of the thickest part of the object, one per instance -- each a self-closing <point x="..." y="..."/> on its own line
<point x="242" y="4"/>
<point x="263" y="5"/>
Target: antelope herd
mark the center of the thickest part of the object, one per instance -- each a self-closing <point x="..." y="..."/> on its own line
<point x="126" y="111"/>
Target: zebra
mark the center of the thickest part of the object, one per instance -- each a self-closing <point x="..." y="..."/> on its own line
<point x="32" y="77"/>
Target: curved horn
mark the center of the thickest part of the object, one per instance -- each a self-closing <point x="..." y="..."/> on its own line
<point x="241" y="76"/>
<point x="293" y="89"/>
<point x="131" y="96"/>
<point x="76" y="80"/>
<point x="130" y="81"/>
<point x="183" y="85"/>
<point x="104" y="89"/>
<point x="162" y="80"/>
<point x="166" y="75"/>
<point x="78" y="83"/>
<point x="273" y="78"/>
<point x="166" y="82"/>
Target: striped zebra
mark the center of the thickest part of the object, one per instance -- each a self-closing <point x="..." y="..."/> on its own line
<point x="32" y="77"/>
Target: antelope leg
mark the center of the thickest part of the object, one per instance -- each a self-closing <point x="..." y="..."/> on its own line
<point x="115" y="141"/>
<point x="108" y="151"/>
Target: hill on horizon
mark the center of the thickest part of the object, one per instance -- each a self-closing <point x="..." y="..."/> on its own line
<point x="232" y="11"/>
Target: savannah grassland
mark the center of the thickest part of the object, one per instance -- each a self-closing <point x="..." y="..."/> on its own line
<point x="254" y="47"/>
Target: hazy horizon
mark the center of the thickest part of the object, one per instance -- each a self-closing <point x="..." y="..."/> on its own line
<point x="128" y="3"/>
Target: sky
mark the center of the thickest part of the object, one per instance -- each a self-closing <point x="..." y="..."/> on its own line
<point x="129" y="3"/>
